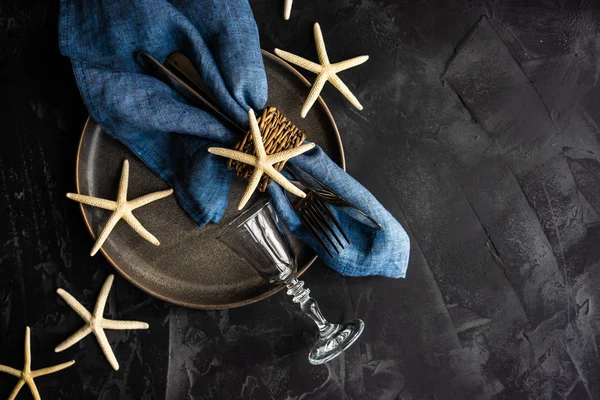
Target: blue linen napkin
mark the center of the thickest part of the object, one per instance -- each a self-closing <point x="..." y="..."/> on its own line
<point x="172" y="137"/>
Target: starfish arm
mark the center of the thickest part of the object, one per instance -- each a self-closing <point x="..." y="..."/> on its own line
<point x="102" y="297"/>
<point x="34" y="389"/>
<point x="341" y="86"/>
<point x="287" y="154"/>
<point x="93" y="201"/>
<point x="287" y="9"/>
<point x="75" y="305"/>
<point x="27" y="366"/>
<point x="124" y="182"/>
<point x="106" y="349"/>
<point x="137" y="226"/>
<point x="347" y="64"/>
<point x="299" y="61"/>
<point x="110" y="224"/>
<point x="15" y="391"/>
<point x="149" y="198"/>
<point x="10" y="371"/>
<point x="233" y="154"/>
<point x="320" y="42"/>
<point x="313" y="95"/>
<point x="259" y="148"/>
<point x="51" y="370"/>
<point x="123" y="325"/>
<point x="74" y="338"/>
<point x="282" y="180"/>
<point x="252" y="185"/>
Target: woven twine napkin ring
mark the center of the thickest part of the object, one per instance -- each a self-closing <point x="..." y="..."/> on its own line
<point x="278" y="134"/>
<point x="283" y="141"/>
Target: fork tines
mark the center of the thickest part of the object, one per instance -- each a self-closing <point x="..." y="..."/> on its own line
<point x="322" y="223"/>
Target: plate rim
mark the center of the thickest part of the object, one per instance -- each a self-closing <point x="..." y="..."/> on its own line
<point x="237" y="304"/>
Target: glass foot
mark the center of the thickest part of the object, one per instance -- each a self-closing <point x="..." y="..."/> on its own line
<point x="333" y="343"/>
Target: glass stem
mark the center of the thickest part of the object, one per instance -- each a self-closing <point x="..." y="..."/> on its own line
<point x="301" y="295"/>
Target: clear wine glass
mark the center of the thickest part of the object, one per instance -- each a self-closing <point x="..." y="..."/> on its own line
<point x="259" y="239"/>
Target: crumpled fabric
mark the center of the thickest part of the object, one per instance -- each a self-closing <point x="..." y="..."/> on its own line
<point x="172" y="137"/>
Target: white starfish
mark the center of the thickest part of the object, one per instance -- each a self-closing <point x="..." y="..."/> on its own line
<point x="325" y="71"/>
<point x="287" y="9"/>
<point x="122" y="208"/>
<point x="26" y="376"/>
<point x="262" y="163"/>
<point x="96" y="323"/>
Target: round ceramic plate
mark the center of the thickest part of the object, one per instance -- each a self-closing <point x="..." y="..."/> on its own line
<point x="190" y="267"/>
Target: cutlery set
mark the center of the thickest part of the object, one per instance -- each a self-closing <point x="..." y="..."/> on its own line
<point x="313" y="210"/>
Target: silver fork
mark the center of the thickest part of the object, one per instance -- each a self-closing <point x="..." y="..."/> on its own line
<point x="329" y="196"/>
<point x="321" y="222"/>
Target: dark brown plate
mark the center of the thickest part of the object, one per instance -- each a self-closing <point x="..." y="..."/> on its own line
<point x="190" y="267"/>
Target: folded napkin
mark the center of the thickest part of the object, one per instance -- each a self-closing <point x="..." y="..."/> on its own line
<point x="172" y="137"/>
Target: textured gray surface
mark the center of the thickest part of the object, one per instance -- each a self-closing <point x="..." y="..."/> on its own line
<point x="191" y="267"/>
<point x="480" y="133"/>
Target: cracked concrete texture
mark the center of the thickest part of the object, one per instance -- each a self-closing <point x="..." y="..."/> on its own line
<point x="480" y="134"/>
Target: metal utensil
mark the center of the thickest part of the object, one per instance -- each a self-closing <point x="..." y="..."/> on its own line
<point x="180" y="65"/>
<point x="207" y="103"/>
<point x="329" y="196"/>
<point x="318" y="218"/>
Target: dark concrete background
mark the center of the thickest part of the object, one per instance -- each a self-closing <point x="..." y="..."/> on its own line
<point x="480" y="134"/>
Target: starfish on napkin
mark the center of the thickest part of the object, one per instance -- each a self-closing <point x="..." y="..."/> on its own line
<point x="96" y="323"/>
<point x="263" y="163"/>
<point x="26" y="376"/>
<point x="121" y="208"/>
<point x="325" y="71"/>
<point x="287" y="9"/>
